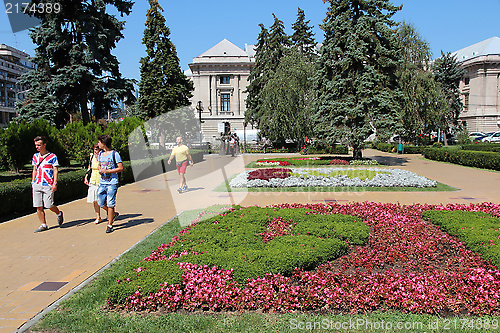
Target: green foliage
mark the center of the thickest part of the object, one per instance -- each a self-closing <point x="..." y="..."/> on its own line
<point x="163" y="86"/>
<point x="482" y="147"/>
<point x="303" y="37"/>
<point x="74" y="64"/>
<point x="286" y="98"/>
<point x="477" y="159"/>
<point x="19" y="146"/>
<point x="78" y="140"/>
<point x="477" y="230"/>
<point x="235" y="241"/>
<point x="323" y="147"/>
<point x="356" y="83"/>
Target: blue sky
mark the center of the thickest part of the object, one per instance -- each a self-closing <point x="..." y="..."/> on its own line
<point x="197" y="25"/>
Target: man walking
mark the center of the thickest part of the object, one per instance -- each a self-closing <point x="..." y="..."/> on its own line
<point x="44" y="182"/>
<point x="181" y="153"/>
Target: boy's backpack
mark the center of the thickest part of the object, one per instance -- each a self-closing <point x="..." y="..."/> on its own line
<point x="120" y="174"/>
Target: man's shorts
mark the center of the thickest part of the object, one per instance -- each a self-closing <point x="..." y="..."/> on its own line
<point x="181" y="166"/>
<point x="42" y="196"/>
<point x="92" y="193"/>
<point x="106" y="195"/>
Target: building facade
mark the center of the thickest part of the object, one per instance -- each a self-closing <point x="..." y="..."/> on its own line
<point x="13" y="63"/>
<point x="220" y="77"/>
<point x="480" y="86"/>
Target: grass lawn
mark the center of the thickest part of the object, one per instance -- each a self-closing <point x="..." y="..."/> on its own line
<point x="86" y="312"/>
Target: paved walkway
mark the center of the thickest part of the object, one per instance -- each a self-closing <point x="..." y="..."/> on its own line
<point x="38" y="269"/>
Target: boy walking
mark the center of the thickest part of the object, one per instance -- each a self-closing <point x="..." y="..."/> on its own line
<point x="44" y="182"/>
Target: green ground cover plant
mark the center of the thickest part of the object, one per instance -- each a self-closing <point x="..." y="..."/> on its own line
<point x="361" y="174"/>
<point x="312" y="161"/>
<point x="246" y="241"/>
<point x="479" y="232"/>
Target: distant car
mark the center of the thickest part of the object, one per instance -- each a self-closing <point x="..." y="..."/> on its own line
<point x="495" y="137"/>
<point x="474" y="135"/>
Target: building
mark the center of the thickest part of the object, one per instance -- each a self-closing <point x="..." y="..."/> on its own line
<point x="480" y="86"/>
<point x="13" y="63"/>
<point x="220" y="77"/>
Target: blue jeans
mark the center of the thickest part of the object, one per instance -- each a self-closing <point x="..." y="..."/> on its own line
<point x="106" y="195"/>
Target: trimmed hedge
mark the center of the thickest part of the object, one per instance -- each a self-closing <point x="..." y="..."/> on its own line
<point x="483" y="147"/>
<point x="235" y="241"/>
<point x="477" y="159"/>
<point x="393" y="148"/>
<point x="477" y="230"/>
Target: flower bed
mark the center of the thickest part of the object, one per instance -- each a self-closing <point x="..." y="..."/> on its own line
<point x="271" y="163"/>
<point x="327" y="177"/>
<point x="408" y="265"/>
<point x="312" y="161"/>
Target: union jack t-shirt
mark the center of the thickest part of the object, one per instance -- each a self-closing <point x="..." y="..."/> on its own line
<point x="45" y="170"/>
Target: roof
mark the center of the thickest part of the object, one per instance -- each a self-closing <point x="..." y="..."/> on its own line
<point x="490" y="46"/>
<point x="224" y="49"/>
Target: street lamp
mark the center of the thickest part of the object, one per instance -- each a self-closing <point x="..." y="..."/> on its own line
<point x="199" y="107"/>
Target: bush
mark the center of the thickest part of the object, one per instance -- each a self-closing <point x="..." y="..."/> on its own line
<point x="477" y="159"/>
<point x="477" y="230"/>
<point x="252" y="241"/>
<point x="482" y="147"/>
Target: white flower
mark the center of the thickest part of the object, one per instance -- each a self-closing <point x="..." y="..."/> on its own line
<point x="314" y="177"/>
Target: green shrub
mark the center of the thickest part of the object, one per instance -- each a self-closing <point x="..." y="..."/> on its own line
<point x="477" y="230"/>
<point x="235" y="241"/>
<point x="477" y="159"/>
<point x="437" y="145"/>
<point x="79" y="140"/>
<point x="482" y="147"/>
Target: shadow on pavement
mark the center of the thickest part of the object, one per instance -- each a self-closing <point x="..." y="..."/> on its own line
<point x="131" y="223"/>
<point x="389" y="160"/>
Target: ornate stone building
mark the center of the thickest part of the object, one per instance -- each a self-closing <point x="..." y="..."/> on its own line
<point x="481" y="85"/>
<point x="220" y="77"/>
<point x="13" y="63"/>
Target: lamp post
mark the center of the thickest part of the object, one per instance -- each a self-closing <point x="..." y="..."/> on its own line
<point x="199" y="107"/>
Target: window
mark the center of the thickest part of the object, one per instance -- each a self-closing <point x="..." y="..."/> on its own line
<point x="224" y="102"/>
<point x="466" y="102"/>
<point x="224" y="79"/>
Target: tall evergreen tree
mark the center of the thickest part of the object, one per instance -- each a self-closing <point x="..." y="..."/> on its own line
<point x="448" y="73"/>
<point x="163" y="86"/>
<point x="257" y="78"/>
<point x="271" y="48"/>
<point x="303" y="37"/>
<point x="74" y="63"/>
<point x="416" y="51"/>
<point x="356" y="81"/>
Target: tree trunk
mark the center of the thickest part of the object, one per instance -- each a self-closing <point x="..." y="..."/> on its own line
<point x="445" y="139"/>
<point x="84" y="109"/>
<point x="357" y="152"/>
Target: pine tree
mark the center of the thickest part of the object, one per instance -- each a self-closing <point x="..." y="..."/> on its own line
<point x="356" y="82"/>
<point x="448" y="73"/>
<point x="303" y="37"/>
<point x="74" y="62"/>
<point x="163" y="86"/>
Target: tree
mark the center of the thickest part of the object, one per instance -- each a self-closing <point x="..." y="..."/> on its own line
<point x="74" y="63"/>
<point x="356" y="83"/>
<point x="448" y="73"/>
<point x="287" y="97"/>
<point x="271" y="48"/>
<point x="422" y="99"/>
<point x="164" y="86"/>
<point x="303" y="37"/>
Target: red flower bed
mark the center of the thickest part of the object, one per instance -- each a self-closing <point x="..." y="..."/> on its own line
<point x="408" y="265"/>
<point x="339" y="162"/>
<point x="266" y="174"/>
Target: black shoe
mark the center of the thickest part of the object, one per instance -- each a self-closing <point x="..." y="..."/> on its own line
<point x="60" y="219"/>
<point x="109" y="229"/>
<point x="41" y="228"/>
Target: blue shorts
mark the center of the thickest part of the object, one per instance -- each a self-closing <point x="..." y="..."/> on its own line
<point x="106" y="195"/>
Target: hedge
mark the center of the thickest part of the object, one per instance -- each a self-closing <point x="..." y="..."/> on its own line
<point x="16" y="196"/>
<point x="482" y="147"/>
<point x="477" y="159"/>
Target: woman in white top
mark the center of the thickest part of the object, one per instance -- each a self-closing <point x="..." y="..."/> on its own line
<point x="93" y="182"/>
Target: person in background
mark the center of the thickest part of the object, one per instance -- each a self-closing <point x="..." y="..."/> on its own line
<point x="181" y="153"/>
<point x="110" y="164"/>
<point x="44" y="182"/>
<point x="91" y="179"/>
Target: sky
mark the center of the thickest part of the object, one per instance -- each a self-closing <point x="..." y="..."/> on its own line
<point x="197" y="25"/>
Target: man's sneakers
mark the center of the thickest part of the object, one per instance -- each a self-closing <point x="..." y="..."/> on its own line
<point x="41" y="228"/>
<point x="179" y="190"/>
<point x="60" y="219"/>
<point x="184" y="188"/>
<point x="109" y="229"/>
